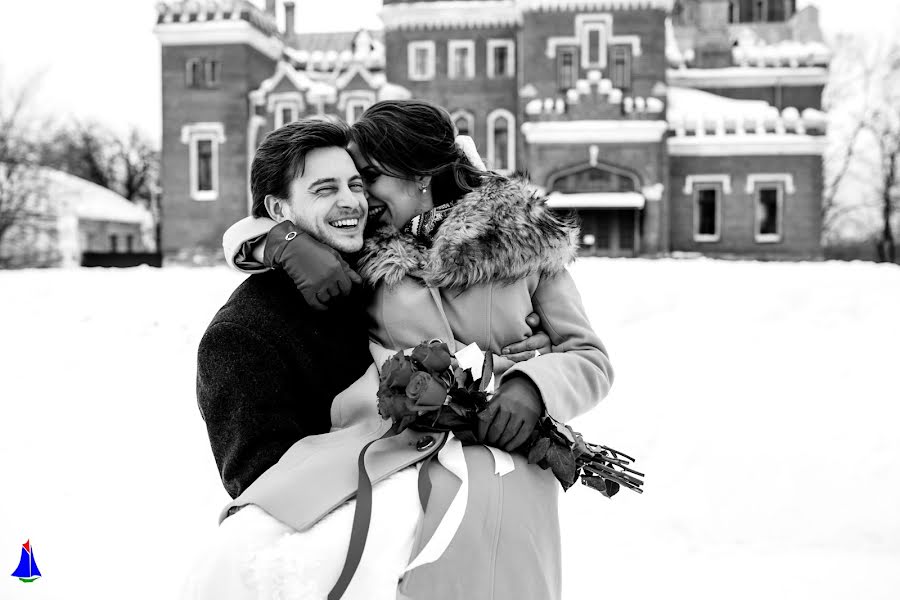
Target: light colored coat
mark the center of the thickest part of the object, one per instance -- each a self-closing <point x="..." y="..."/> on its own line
<point x="500" y="255"/>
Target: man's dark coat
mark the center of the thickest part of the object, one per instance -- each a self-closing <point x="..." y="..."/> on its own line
<point x="268" y="368"/>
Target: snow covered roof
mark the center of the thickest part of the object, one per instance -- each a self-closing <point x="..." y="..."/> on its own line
<point x="91" y="202"/>
<point x="697" y="112"/>
<point x="451" y="14"/>
<point x="328" y="51"/>
<point x="459" y="14"/>
<point x="568" y="5"/>
<point x="198" y="11"/>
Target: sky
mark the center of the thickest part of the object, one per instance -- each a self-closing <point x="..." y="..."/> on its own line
<point x="99" y="59"/>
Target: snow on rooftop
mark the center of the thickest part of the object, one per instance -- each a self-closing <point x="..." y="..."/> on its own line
<point x="91" y="202"/>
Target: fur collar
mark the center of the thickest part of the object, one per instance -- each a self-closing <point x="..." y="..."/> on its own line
<point x="500" y="232"/>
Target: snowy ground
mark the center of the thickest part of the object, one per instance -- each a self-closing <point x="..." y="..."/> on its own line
<point x="761" y="399"/>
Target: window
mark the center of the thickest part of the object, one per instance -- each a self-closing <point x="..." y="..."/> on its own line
<point x="461" y="59"/>
<point x="567" y="72"/>
<point x="203" y="73"/>
<point x="355" y="109"/>
<point x="286" y="107"/>
<point x="204" y="165"/>
<point x="768" y="213"/>
<point x="194" y="72"/>
<point x="464" y="122"/>
<point x="501" y="141"/>
<point x="113" y="243"/>
<point x="760" y="11"/>
<point x="593" y="46"/>
<point x="420" y="60"/>
<point x="734" y="11"/>
<point x="285" y="112"/>
<point x="621" y="67"/>
<point x="501" y="58"/>
<point x="707" y="215"/>
<point x="203" y="140"/>
<point x="129" y="242"/>
<point x="211" y="71"/>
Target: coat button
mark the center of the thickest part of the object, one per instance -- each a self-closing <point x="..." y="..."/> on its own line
<point x="425" y="442"/>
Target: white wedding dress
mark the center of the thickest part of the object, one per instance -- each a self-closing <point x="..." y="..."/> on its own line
<point x="256" y="557"/>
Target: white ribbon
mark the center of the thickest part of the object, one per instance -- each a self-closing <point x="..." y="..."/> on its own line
<point x="452" y="457"/>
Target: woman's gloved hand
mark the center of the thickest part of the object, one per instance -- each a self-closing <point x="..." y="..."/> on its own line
<point x="318" y="270"/>
<point x="511" y="415"/>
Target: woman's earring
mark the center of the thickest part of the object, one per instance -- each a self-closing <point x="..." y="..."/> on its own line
<point x="423" y="189"/>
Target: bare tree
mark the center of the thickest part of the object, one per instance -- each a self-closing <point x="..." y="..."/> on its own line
<point x="863" y="163"/>
<point x="128" y="165"/>
<point x="22" y="210"/>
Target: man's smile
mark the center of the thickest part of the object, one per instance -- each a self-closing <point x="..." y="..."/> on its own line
<point x="345" y="223"/>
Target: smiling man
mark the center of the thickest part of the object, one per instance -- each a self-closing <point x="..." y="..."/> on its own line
<point x="270" y="363"/>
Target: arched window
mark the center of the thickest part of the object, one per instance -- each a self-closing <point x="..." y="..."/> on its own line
<point x="464" y="122"/>
<point x="501" y="141"/>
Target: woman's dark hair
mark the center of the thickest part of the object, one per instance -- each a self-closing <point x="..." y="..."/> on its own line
<point x="415" y="138"/>
<point x="282" y="156"/>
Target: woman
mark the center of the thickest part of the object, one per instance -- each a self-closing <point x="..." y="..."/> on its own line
<point x="463" y="255"/>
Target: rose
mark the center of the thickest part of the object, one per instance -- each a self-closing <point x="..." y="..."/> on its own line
<point x="434" y="356"/>
<point x="426" y="391"/>
<point x="397" y="371"/>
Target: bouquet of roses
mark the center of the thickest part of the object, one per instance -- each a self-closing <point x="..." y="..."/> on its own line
<point x="430" y="391"/>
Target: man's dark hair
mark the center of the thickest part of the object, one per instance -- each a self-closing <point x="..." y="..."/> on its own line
<point x="282" y="156"/>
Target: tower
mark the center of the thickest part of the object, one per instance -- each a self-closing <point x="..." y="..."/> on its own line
<point x="213" y="55"/>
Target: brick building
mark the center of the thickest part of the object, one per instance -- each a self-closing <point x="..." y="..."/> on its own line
<point x="668" y="125"/>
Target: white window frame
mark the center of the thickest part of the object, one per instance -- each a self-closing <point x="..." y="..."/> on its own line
<point x="603" y="29"/>
<point x="718" y="188"/>
<point x="191" y="135"/>
<point x="510" y="46"/>
<point x="353" y="103"/>
<point x="722" y="179"/>
<point x="278" y="110"/>
<point x="291" y="100"/>
<point x="784" y="183"/>
<point x="469" y="47"/>
<point x="411" y="49"/>
<point x="511" y="132"/>
<point x="470" y="120"/>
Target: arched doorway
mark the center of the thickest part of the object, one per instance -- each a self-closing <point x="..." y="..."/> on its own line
<point x="608" y="203"/>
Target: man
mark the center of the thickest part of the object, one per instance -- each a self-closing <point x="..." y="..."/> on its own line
<point x="269" y="364"/>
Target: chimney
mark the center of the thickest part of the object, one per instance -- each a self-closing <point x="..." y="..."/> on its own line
<point x="712" y="46"/>
<point x="270" y="7"/>
<point x="288" y="17"/>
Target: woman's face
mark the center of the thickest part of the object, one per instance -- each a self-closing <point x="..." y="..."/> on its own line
<point x="392" y="200"/>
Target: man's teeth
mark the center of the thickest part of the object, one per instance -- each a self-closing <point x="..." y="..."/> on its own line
<point x="345" y="223"/>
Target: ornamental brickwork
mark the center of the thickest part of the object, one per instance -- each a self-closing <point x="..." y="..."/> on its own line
<point x="667" y="125"/>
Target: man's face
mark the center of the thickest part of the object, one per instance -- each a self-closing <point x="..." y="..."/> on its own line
<point x="327" y="200"/>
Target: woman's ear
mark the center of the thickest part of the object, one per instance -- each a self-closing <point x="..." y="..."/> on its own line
<point x="423" y="182"/>
<point x="276" y="208"/>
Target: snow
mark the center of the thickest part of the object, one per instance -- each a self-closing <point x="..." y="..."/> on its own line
<point x="760" y="399"/>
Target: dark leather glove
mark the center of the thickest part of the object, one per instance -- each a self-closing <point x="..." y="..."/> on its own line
<point x="511" y="415"/>
<point x="318" y="270"/>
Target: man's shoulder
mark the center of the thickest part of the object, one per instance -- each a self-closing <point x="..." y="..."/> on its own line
<point x="261" y="300"/>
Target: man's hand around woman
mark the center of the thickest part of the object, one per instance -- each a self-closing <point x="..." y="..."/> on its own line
<point x="318" y="270"/>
